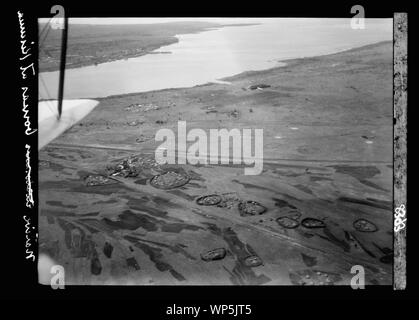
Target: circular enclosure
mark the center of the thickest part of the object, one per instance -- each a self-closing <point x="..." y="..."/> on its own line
<point x="253" y="261"/>
<point x="209" y="200"/>
<point x="364" y="225"/>
<point x="287" y="222"/>
<point x="169" y="180"/>
<point x="251" y="208"/>
<point x="312" y="223"/>
<point x="216" y="254"/>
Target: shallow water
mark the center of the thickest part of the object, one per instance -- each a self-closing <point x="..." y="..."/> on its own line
<point x="207" y="56"/>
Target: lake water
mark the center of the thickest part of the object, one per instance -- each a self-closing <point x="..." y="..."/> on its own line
<point x="207" y="56"/>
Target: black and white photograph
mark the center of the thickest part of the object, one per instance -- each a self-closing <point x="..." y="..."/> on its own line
<point x="219" y="151"/>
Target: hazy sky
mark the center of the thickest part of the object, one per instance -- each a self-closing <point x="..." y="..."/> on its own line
<point x="162" y="20"/>
<point x="156" y="20"/>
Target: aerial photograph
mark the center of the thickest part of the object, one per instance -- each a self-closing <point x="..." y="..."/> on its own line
<point x="216" y="151"/>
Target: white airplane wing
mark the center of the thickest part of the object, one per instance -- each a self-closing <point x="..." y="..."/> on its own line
<point x="50" y="127"/>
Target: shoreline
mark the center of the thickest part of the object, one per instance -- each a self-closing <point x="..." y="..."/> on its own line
<point x="150" y="50"/>
<point x="294" y="61"/>
<point x="289" y="87"/>
<point x="288" y="63"/>
<point x="102" y="61"/>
